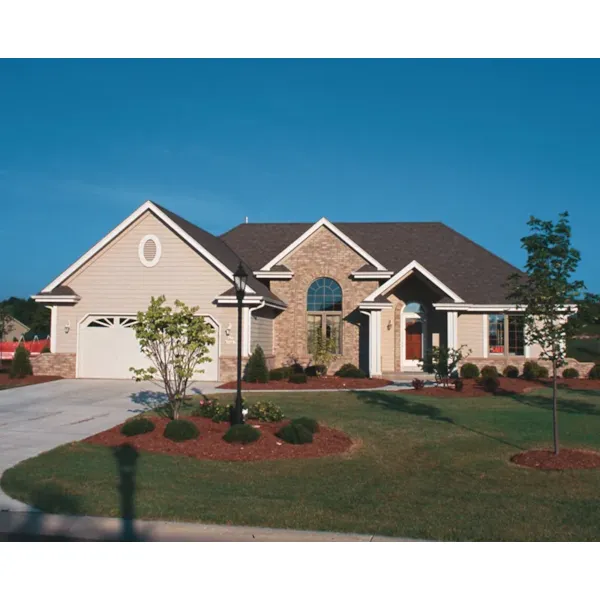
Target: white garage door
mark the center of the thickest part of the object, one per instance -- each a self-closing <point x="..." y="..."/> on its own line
<point x="108" y="347"/>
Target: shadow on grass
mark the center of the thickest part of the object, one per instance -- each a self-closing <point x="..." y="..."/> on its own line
<point x="52" y="498"/>
<point x="574" y="407"/>
<point x="420" y="409"/>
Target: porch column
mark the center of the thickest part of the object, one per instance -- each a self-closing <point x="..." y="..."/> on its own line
<point x="452" y="330"/>
<point x="374" y="341"/>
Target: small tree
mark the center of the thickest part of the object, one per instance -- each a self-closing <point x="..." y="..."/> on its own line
<point x="20" y="365"/>
<point x="256" y="369"/>
<point x="443" y="361"/>
<point x="176" y="342"/>
<point x="323" y="350"/>
<point x="547" y="295"/>
<point x="5" y="319"/>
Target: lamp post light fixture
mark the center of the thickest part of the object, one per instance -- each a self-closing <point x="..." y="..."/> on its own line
<point x="240" y="279"/>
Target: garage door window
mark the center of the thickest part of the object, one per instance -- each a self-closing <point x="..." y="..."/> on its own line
<point x="112" y="321"/>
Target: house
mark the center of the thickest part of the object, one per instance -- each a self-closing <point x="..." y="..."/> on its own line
<point x="384" y="292"/>
<point x="14" y="330"/>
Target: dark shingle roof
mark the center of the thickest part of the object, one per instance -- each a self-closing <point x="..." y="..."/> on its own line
<point x="59" y="290"/>
<point x="468" y="269"/>
<point x="219" y="248"/>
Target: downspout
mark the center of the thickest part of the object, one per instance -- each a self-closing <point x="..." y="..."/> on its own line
<point x="249" y="326"/>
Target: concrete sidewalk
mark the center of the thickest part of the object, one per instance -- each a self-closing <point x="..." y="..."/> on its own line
<point x="32" y="525"/>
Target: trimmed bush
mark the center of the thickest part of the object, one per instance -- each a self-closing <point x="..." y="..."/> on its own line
<point x="21" y="365"/>
<point x="459" y="385"/>
<point x="296" y="367"/>
<point x="265" y="411"/>
<point x="469" y="371"/>
<point x="489" y="371"/>
<point x="594" y="372"/>
<point x="570" y="373"/>
<point x="181" y="430"/>
<point x="295" y="434"/>
<point x="531" y="370"/>
<point x="310" y="424"/>
<point x="543" y="372"/>
<point x="256" y="369"/>
<point x="417" y="383"/>
<point x="511" y="371"/>
<point x="298" y="378"/>
<point x="490" y="384"/>
<point x="315" y="370"/>
<point x="350" y="370"/>
<point x="241" y="434"/>
<point x="280" y="373"/>
<point x="137" y="427"/>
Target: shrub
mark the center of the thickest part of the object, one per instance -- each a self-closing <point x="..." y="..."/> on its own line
<point x="45" y="350"/>
<point x="489" y="371"/>
<point x="310" y="424"/>
<point x="298" y="378"/>
<point x="542" y="372"/>
<point x="315" y="370"/>
<point x="137" y="427"/>
<point x="459" y="385"/>
<point x="594" y="372"/>
<point x="206" y="408"/>
<point x="469" y="371"/>
<point x="417" y="383"/>
<point x="570" y="373"/>
<point x="256" y="369"/>
<point x="21" y="365"/>
<point x="180" y="430"/>
<point x="350" y="370"/>
<point x="532" y="370"/>
<point x="221" y="413"/>
<point x="265" y="411"/>
<point x="490" y="384"/>
<point x="511" y="371"/>
<point x="295" y="434"/>
<point x="296" y="367"/>
<point x="241" y="434"/>
<point x="280" y="373"/>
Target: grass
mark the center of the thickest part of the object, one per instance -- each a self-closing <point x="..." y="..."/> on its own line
<point x="427" y="468"/>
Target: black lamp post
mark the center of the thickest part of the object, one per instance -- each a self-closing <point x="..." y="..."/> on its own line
<point x="240" y="279"/>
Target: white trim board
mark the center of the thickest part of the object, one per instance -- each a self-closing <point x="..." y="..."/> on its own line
<point x="49" y="299"/>
<point x="490" y="308"/>
<point x="405" y="272"/>
<point x="273" y="274"/>
<point x="147" y="206"/>
<point x="323" y="222"/>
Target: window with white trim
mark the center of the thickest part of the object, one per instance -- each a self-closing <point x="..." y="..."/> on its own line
<point x="506" y="335"/>
<point x="324" y="308"/>
<point x="149" y="250"/>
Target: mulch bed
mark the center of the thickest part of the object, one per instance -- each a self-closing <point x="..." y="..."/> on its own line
<point x="313" y="383"/>
<point x="7" y="382"/>
<point x="471" y="389"/>
<point x="210" y="445"/>
<point x="566" y="459"/>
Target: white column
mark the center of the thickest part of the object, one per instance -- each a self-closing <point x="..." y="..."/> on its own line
<point x="53" y="327"/>
<point x="452" y="329"/>
<point x="485" y="329"/>
<point x="375" y="343"/>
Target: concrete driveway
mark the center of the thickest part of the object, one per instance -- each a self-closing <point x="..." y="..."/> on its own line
<point x="37" y="418"/>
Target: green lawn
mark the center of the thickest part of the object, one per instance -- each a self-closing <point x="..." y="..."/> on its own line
<point x="428" y="468"/>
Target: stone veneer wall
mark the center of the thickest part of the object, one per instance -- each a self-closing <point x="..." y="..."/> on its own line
<point x="323" y="254"/>
<point x="518" y="361"/>
<point x="61" y="365"/>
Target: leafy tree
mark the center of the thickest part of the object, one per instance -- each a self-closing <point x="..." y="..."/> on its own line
<point x="323" y="350"/>
<point x="548" y="295"/>
<point x="256" y="369"/>
<point x="31" y="313"/>
<point x="5" y="318"/>
<point x="443" y="361"/>
<point x="176" y="342"/>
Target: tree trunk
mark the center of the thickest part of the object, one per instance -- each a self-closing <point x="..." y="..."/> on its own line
<point x="554" y="408"/>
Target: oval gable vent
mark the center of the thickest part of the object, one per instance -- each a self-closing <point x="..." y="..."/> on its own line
<point x="149" y="250"/>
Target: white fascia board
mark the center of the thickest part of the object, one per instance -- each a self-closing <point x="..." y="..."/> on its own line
<point x="148" y="205"/>
<point x="374" y="305"/>
<point x="255" y="300"/>
<point x="490" y="308"/>
<point x="273" y="274"/>
<point x="323" y="222"/>
<point x="47" y="298"/>
<point x="407" y="270"/>
<point x="371" y="274"/>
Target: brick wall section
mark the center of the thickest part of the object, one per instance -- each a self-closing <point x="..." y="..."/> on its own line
<point x="323" y="254"/>
<point x="501" y="362"/>
<point x="228" y="367"/>
<point x="61" y="365"/>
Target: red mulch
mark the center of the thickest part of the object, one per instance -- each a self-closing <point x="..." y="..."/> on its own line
<point x="210" y="445"/>
<point x="313" y="383"/>
<point x="471" y="389"/>
<point x="7" y="382"/>
<point x="566" y="459"/>
<point x="577" y="384"/>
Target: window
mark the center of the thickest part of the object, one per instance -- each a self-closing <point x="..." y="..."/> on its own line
<point x="149" y="250"/>
<point x="324" y="307"/>
<point x="503" y="329"/>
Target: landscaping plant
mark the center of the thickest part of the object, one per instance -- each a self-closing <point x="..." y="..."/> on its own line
<point x="298" y="378"/>
<point x="489" y="371"/>
<point x="294" y="433"/>
<point x="511" y="371"/>
<point x="417" y="383"/>
<point x="469" y="371"/>
<point x="594" y="372"/>
<point x="256" y="369"/>
<point x="322" y="350"/>
<point x="180" y="430"/>
<point x="311" y="424"/>
<point x="280" y="373"/>
<point x="442" y="362"/>
<point x="176" y="342"/>
<point x="137" y="427"/>
<point x="490" y="383"/>
<point x="548" y="295"/>
<point x="459" y="385"/>
<point x="350" y="370"/>
<point x="20" y="365"/>
<point x="266" y="411"/>
<point x="241" y="434"/>
<point x="570" y="373"/>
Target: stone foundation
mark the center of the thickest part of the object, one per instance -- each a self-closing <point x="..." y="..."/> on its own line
<point x="500" y="362"/>
<point x="228" y="367"/>
<point x="60" y="365"/>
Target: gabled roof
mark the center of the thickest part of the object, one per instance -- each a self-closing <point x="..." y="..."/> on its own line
<point x="469" y="270"/>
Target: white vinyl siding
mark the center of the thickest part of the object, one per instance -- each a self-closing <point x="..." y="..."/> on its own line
<point x="470" y="333"/>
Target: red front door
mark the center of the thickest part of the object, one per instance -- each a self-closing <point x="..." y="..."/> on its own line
<point x="414" y="349"/>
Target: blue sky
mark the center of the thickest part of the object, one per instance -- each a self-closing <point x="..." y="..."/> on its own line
<point x="479" y="145"/>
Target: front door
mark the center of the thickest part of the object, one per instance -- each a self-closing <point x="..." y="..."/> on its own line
<point x="413" y="346"/>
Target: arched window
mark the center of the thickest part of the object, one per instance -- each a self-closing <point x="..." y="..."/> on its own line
<point x="324" y="308"/>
